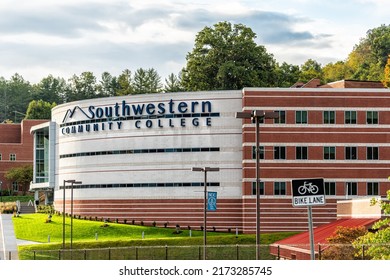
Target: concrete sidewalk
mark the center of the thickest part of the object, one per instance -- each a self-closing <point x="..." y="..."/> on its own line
<point x="8" y="242"/>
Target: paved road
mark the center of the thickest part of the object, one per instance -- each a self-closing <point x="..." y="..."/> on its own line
<point x="8" y="242"/>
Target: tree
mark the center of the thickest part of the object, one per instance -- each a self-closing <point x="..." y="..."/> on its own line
<point x="125" y="86"/>
<point x="50" y="89"/>
<point x="226" y="56"/>
<point x="369" y="56"/>
<point x="378" y="240"/>
<point x="82" y="87"/>
<point x="173" y="83"/>
<point x="309" y="70"/>
<point x="336" y="71"/>
<point x="108" y="85"/>
<point x="39" y="109"/>
<point x="22" y="176"/>
<point x="286" y="74"/>
<point x="341" y="243"/>
<point x="386" y="78"/>
<point x="146" y="81"/>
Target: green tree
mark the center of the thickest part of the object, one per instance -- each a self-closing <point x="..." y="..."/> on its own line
<point x="50" y="89"/>
<point x="368" y="58"/>
<point x="286" y="74"/>
<point x="336" y="71"/>
<point x="340" y="243"/>
<point x="309" y="70"/>
<point x="82" y="87"/>
<point x="226" y="56"/>
<point x="39" y="109"/>
<point x="386" y="76"/>
<point x="108" y="85"/>
<point x="379" y="238"/>
<point x="173" y="83"/>
<point x="125" y="86"/>
<point x="22" y="176"/>
<point x="146" y="81"/>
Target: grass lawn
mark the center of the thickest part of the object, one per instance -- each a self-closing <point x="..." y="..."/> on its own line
<point x="34" y="227"/>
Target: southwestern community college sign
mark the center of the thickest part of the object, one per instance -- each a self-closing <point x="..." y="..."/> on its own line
<point x="141" y="115"/>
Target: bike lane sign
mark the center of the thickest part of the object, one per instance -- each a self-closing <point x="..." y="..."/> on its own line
<point x="308" y="192"/>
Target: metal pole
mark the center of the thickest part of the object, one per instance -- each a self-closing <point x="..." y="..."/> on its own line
<point x="257" y="191"/>
<point x="63" y="217"/>
<point x="71" y="215"/>
<point x="205" y="216"/>
<point x="311" y="233"/>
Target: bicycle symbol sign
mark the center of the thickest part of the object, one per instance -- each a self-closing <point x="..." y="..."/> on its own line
<point x="308" y="192"/>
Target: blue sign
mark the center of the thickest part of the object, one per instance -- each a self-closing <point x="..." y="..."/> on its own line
<point x="211" y="201"/>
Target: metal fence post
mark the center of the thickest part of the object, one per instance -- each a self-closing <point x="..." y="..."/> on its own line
<point x="166" y="252"/>
<point x="278" y="252"/>
<point x="363" y="257"/>
<point x="237" y="252"/>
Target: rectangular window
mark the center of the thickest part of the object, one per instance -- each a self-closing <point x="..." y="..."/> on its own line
<point x="372" y="117"/>
<point x="372" y="153"/>
<point x="1" y="157"/>
<point x="281" y="118"/>
<point x="350" y="153"/>
<point x="254" y="188"/>
<point x="280" y="188"/>
<point x="329" y="152"/>
<point x="301" y="117"/>
<point x="12" y="157"/>
<point x="330" y="188"/>
<point x="350" y="117"/>
<point x="279" y="152"/>
<point x="261" y="152"/>
<point x="351" y="188"/>
<point x="329" y="117"/>
<point x="15" y="186"/>
<point x="300" y="152"/>
<point x="372" y="188"/>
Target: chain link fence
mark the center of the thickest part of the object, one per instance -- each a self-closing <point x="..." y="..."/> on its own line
<point x="214" y="252"/>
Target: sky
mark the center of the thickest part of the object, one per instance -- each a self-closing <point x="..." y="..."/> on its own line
<point x="65" y="38"/>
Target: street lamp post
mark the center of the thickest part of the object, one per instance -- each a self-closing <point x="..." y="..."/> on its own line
<point x="72" y="182"/>
<point x="205" y="170"/>
<point x="256" y="116"/>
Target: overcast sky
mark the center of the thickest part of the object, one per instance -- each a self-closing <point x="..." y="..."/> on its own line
<point x="42" y="37"/>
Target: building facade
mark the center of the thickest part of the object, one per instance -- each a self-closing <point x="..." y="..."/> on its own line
<point x="133" y="155"/>
<point x="16" y="150"/>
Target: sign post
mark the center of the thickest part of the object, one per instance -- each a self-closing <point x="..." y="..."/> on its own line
<point x="308" y="192"/>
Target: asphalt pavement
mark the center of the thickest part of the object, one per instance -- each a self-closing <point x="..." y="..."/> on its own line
<point x="8" y="241"/>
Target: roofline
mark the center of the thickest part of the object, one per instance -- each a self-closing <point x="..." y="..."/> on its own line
<point x="368" y="90"/>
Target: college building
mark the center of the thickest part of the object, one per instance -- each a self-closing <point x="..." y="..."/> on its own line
<point x="131" y="158"/>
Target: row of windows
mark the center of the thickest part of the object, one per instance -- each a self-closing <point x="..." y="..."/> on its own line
<point x="143" y="117"/>
<point x="12" y="157"/>
<point x="143" y="185"/>
<point x="329" y="153"/>
<point x="142" y="151"/>
<point x="351" y="188"/>
<point x="329" y="117"/>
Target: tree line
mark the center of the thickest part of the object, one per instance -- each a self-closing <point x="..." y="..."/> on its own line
<point x="225" y="56"/>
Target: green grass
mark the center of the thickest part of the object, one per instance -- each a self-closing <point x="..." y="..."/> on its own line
<point x="34" y="227"/>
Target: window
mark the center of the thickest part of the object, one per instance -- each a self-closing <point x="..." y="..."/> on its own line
<point x="372" y="188"/>
<point x="254" y="188"/>
<point x="351" y="188"/>
<point x="372" y="117"/>
<point x="372" y="153"/>
<point x="300" y="152"/>
<point x="301" y="117"/>
<point x="280" y="152"/>
<point x="329" y="117"/>
<point x="329" y="152"/>
<point x="280" y="188"/>
<point x="350" y="117"/>
<point x="15" y="186"/>
<point x="281" y="118"/>
<point x="350" y="153"/>
<point x="261" y="152"/>
<point x="1" y="157"/>
<point x="12" y="157"/>
<point x="330" y="188"/>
